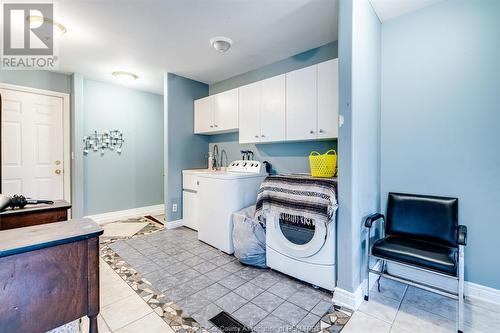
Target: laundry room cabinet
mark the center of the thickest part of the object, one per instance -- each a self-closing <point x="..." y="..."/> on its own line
<point x="262" y="111"/>
<point x="217" y="113"/>
<point x="312" y="102"/>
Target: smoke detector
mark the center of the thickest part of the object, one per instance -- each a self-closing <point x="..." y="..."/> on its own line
<point x="221" y="44"/>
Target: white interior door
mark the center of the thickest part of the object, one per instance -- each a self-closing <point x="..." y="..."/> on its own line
<point x="328" y="99"/>
<point x="273" y="117"/>
<point x="249" y="117"/>
<point x="32" y="145"/>
<point x="301" y="104"/>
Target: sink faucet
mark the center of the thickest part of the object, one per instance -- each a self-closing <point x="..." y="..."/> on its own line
<point x="215" y="154"/>
<point x="222" y="154"/>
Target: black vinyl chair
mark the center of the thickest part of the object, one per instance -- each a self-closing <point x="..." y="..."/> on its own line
<point x="420" y="232"/>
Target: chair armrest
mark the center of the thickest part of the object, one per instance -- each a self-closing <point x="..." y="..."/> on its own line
<point x="373" y="218"/>
<point x="462" y="235"/>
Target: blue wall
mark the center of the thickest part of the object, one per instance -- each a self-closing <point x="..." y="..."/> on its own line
<point x="285" y="157"/>
<point x="134" y="178"/>
<point x="185" y="150"/>
<point x="359" y="148"/>
<point x="301" y="60"/>
<point x="441" y="118"/>
<point x="38" y="79"/>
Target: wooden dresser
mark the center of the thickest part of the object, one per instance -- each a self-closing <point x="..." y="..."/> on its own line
<point x="49" y="275"/>
<point x="34" y="215"/>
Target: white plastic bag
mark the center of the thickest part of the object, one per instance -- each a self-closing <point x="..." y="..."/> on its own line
<point x="249" y="238"/>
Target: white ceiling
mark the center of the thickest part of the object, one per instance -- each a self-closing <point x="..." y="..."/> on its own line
<point x="150" y="37"/>
<point x="389" y="9"/>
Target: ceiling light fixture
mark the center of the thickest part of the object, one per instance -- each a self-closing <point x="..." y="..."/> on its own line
<point x="125" y="76"/>
<point x="221" y="44"/>
<point x="36" y="21"/>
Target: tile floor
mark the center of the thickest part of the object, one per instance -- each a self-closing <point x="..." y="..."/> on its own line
<point x="402" y="309"/>
<point x="396" y="309"/>
<point x="122" y="310"/>
<point x="204" y="281"/>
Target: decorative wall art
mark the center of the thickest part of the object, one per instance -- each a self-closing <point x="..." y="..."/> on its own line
<point x="108" y="140"/>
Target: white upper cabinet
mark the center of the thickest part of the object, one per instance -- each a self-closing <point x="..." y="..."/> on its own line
<point x="204" y="115"/>
<point x="328" y="99"/>
<point x="296" y="106"/>
<point x="250" y="99"/>
<point x="262" y="111"/>
<point x="273" y="109"/>
<point x="216" y="113"/>
<point x="226" y="111"/>
<point x="301" y="104"/>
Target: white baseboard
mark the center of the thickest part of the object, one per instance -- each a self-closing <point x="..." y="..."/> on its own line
<point x="472" y="291"/>
<point x="347" y="299"/>
<point x="174" y="224"/>
<point x="353" y="300"/>
<point x="126" y="214"/>
<point x="477" y="292"/>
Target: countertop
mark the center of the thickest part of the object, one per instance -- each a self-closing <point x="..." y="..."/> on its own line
<point x="59" y="204"/>
<point x="15" y="241"/>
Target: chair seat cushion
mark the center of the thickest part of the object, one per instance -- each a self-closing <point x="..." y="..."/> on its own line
<point x="418" y="253"/>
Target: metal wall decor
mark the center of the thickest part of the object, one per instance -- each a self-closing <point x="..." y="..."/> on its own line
<point x="108" y="140"/>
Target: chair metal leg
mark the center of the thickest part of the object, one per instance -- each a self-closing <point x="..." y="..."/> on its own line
<point x="367" y="268"/>
<point x="460" y="313"/>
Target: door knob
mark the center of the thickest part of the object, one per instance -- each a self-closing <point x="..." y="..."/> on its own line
<point x="58" y="171"/>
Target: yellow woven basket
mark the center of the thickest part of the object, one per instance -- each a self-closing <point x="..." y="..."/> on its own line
<point x="323" y="165"/>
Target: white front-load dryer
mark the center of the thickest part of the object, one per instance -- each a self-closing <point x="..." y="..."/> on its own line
<point x="304" y="252"/>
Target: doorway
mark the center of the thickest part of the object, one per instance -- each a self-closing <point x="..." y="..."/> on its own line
<point x="35" y="143"/>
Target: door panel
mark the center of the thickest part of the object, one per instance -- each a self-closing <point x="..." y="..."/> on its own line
<point x="204" y="115"/>
<point x="328" y="99"/>
<point x="249" y="117"/>
<point x="226" y="110"/>
<point x="273" y="119"/>
<point x="32" y="145"/>
<point x="301" y="104"/>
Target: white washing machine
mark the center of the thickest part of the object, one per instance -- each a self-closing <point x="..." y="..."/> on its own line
<point x="222" y="193"/>
<point x="306" y="253"/>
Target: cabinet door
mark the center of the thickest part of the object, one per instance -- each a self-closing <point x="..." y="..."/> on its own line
<point x="301" y="104"/>
<point x="189" y="209"/>
<point x="328" y="99"/>
<point x="249" y="117"/>
<point x="204" y="115"/>
<point x="272" y="114"/>
<point x="226" y="111"/>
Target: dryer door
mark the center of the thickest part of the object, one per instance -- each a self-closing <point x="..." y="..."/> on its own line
<point x="300" y="240"/>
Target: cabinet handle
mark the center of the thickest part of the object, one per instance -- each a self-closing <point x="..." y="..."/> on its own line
<point x="321" y="131"/>
<point x="311" y="131"/>
<point x="256" y="136"/>
<point x="211" y="126"/>
<point x="215" y="125"/>
<point x="263" y="136"/>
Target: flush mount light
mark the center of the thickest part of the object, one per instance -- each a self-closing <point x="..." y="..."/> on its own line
<point x="221" y="44"/>
<point x="125" y="76"/>
<point x="36" y="21"/>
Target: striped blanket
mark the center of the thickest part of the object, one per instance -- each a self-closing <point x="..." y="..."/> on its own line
<point x="298" y="199"/>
